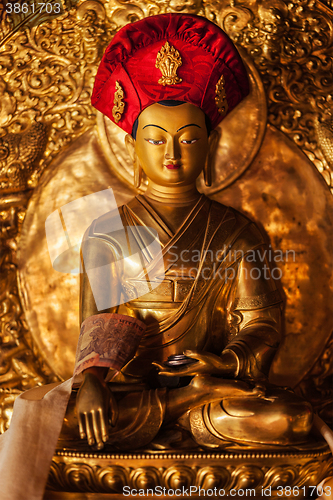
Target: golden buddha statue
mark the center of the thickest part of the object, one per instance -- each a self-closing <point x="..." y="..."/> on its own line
<point x="179" y="358"/>
<point x="213" y="322"/>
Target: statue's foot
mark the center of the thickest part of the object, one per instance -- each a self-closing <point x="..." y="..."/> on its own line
<point x="249" y="420"/>
<point x="218" y="388"/>
<point x="173" y="438"/>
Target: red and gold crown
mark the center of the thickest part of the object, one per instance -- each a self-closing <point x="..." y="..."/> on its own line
<point x="169" y="57"/>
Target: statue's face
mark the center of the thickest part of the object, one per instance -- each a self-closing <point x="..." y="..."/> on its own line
<point x="172" y="143"/>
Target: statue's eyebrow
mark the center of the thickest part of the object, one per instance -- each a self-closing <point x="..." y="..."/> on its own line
<point x="151" y="125"/>
<point x="189" y="125"/>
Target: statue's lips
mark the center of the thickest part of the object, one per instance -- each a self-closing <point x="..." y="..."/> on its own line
<point x="172" y="166"/>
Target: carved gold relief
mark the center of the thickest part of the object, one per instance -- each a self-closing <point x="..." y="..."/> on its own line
<point x="221" y="98"/>
<point x="119" y="104"/>
<point x="7" y="399"/>
<point x="21" y="366"/>
<point x="324" y="135"/>
<point x="79" y="472"/>
<point x="46" y="75"/>
<point x="317" y="385"/>
<point x="18" y="154"/>
<point x="294" y="62"/>
<point x="168" y="61"/>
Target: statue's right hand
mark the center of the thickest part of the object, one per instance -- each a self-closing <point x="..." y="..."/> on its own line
<point x="94" y="401"/>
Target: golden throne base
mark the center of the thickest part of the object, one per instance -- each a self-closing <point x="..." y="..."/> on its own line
<point x="81" y="476"/>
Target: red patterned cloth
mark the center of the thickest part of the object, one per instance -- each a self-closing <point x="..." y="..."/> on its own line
<point x="206" y="54"/>
<point x="108" y="340"/>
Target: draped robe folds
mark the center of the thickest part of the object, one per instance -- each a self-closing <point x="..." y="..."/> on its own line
<point x="217" y="291"/>
<point x="223" y="299"/>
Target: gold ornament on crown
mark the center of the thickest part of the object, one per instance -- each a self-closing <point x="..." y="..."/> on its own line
<point x="168" y="61"/>
<point x="119" y="104"/>
<point x="221" y="98"/>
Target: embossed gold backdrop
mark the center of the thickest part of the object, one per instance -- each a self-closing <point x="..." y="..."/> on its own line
<point x="52" y="151"/>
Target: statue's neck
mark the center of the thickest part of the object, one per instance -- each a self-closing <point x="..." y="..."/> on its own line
<point x="173" y="196"/>
<point x="173" y="204"/>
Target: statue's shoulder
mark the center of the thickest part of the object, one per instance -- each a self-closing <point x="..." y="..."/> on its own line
<point x="110" y="222"/>
<point x="105" y="232"/>
<point x="219" y="211"/>
<point x="231" y="212"/>
<point x="249" y="233"/>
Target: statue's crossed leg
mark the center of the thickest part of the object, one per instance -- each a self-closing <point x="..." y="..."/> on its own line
<point x="215" y="410"/>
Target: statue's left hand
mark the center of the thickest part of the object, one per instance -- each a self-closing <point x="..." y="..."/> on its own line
<point x="206" y="363"/>
<point x="94" y="400"/>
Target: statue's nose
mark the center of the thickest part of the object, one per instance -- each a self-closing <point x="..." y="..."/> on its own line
<point x="172" y="150"/>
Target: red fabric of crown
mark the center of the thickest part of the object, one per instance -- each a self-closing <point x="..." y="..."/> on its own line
<point x="199" y="64"/>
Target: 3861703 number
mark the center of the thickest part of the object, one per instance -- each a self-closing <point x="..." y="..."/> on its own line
<point x="38" y="8"/>
<point x="311" y="491"/>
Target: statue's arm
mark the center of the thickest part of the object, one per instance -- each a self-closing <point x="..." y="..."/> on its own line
<point x="254" y="311"/>
<point x="94" y="397"/>
<point x="100" y="277"/>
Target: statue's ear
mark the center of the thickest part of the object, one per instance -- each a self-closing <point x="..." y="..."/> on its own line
<point x="137" y="170"/>
<point x="213" y="140"/>
<point x="130" y="145"/>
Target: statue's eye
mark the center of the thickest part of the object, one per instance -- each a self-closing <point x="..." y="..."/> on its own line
<point x="156" y="143"/>
<point x="189" y="142"/>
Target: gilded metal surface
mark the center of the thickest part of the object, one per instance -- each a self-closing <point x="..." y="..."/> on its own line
<point x="31" y="15"/>
<point x="7" y="398"/>
<point x="277" y="209"/>
<point x="221" y="98"/>
<point x="294" y="62"/>
<point x="20" y="367"/>
<point x="168" y="61"/>
<point x="62" y="101"/>
<point x="324" y="134"/>
<point x="316" y="386"/>
<point x="295" y="210"/>
<point x="42" y="79"/>
<point x="290" y="45"/>
<point x="103" y="473"/>
<point x="55" y="323"/>
<point x="18" y="154"/>
<point x="119" y="105"/>
<point x="232" y="411"/>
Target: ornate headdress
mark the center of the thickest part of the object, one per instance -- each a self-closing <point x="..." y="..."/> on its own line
<point x="169" y="57"/>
